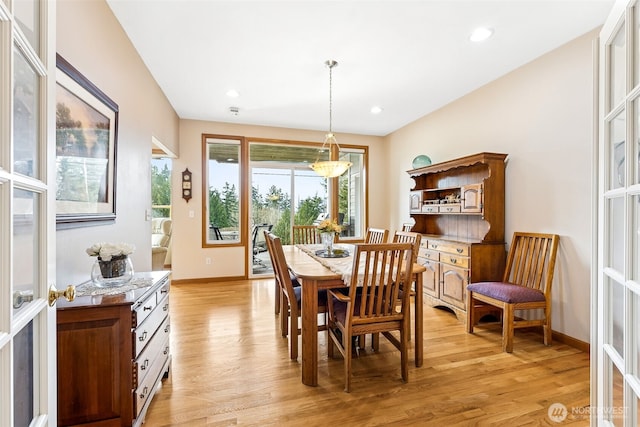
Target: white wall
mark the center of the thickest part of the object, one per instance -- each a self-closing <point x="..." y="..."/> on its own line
<point x="541" y="116"/>
<point x="91" y="39"/>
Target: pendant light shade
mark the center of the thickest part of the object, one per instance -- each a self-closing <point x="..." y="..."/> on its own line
<point x="330" y="168"/>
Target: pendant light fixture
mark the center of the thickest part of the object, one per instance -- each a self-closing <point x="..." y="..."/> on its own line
<point x="330" y="168"/>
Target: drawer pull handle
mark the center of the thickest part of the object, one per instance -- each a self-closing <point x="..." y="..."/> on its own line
<point x="165" y="307"/>
<point x="164" y="291"/>
<point x="166" y="328"/>
<point x="145" y="390"/>
<point x="166" y="350"/>
<point x="144" y="365"/>
<point x="143" y="336"/>
<point x="147" y="308"/>
<point x="453" y="260"/>
<point x="434" y="246"/>
<point x="459" y="250"/>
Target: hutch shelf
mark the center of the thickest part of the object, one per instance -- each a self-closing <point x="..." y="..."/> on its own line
<point x="458" y="207"/>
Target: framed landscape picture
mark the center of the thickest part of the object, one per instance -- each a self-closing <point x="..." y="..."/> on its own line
<point x="86" y="147"/>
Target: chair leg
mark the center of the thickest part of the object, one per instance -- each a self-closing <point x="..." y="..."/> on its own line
<point x="547" y="326"/>
<point x="507" y="328"/>
<point x="284" y="315"/>
<point x="346" y="343"/>
<point x="404" y="356"/>
<point x="278" y="291"/>
<point x="293" y="336"/>
<point x="470" y="310"/>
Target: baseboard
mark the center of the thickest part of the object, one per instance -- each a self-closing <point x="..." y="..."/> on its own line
<point x="571" y="341"/>
<point x="208" y="280"/>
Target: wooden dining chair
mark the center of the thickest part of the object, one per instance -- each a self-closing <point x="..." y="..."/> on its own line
<point x="305" y="234"/>
<point x="376" y="235"/>
<point x="370" y="306"/>
<point x="526" y="285"/>
<point x="407" y="226"/>
<point x="291" y="311"/>
<point x="414" y="239"/>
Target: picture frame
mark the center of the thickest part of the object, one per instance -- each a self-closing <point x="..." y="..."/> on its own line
<point x="86" y="148"/>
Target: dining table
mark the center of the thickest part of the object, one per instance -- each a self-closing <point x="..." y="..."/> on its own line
<point x="316" y="273"/>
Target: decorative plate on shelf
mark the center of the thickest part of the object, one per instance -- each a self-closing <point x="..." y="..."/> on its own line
<point x="421" y="161"/>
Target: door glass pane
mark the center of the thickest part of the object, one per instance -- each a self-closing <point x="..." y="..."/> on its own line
<point x="615" y="411"/>
<point x="616" y="312"/>
<point x="351" y="195"/>
<point x="635" y="200"/>
<point x="636" y="104"/>
<point x="25" y="116"/>
<point x="222" y="194"/>
<point x="27" y="13"/>
<point x="617" y="151"/>
<point x="25" y="247"/>
<point x="636" y="37"/>
<point x="617" y="55"/>
<point x="615" y="258"/>
<point x="24" y="357"/>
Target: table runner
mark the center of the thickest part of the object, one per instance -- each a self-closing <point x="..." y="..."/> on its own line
<point x="88" y="288"/>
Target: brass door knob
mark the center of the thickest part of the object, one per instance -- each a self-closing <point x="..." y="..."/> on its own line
<point x="54" y="294"/>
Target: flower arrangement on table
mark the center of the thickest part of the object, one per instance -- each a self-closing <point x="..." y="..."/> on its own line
<point x="113" y="267"/>
<point x="107" y="251"/>
<point x="329" y="226"/>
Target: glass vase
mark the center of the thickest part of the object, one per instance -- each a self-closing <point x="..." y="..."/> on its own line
<point x="327" y="242"/>
<point x="115" y="272"/>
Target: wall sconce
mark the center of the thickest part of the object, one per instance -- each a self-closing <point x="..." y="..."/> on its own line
<point x="186" y="185"/>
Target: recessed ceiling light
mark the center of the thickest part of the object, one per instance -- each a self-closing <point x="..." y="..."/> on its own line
<point x="233" y="93"/>
<point x="376" y="110"/>
<point x="481" y="34"/>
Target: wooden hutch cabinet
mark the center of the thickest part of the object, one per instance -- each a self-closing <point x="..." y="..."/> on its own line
<point x="458" y="207"/>
<point x="113" y="352"/>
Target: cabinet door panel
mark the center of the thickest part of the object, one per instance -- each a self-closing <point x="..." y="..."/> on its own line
<point x="472" y="198"/>
<point x="454" y="283"/>
<point x="430" y="278"/>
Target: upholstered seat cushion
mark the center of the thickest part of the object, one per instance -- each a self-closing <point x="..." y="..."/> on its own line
<point x="507" y="292"/>
<point x="322" y="296"/>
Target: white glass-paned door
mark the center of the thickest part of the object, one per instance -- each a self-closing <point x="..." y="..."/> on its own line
<point x="27" y="213"/>
<point x="617" y="320"/>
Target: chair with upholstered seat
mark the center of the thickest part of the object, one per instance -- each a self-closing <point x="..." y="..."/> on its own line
<point x="305" y="234"/>
<point x="376" y="235"/>
<point x="290" y="311"/>
<point x="279" y="291"/>
<point x="370" y="307"/>
<point x="160" y="242"/>
<point x="526" y="285"/>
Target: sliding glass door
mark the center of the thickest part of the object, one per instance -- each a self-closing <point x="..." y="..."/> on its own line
<point x="282" y="194"/>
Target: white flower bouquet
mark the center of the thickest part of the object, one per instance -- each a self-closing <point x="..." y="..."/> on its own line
<point x="106" y="251"/>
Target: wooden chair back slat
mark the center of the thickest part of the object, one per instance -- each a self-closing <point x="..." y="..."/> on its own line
<point x="376" y="235"/>
<point x="305" y="234"/>
<point x="531" y="261"/>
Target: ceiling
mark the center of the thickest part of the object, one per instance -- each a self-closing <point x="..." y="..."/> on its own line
<point x="408" y="57"/>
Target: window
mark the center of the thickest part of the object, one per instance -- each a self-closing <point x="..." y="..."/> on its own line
<point x="222" y="196"/>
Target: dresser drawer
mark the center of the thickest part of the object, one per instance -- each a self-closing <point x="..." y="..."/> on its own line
<point x="449" y="247"/>
<point x="141" y="312"/>
<point x="163" y="291"/>
<point x="453" y="208"/>
<point x="143" y="333"/>
<point x="458" y="261"/>
<point x="154" y="347"/>
<point x="147" y="387"/>
<point x="428" y="254"/>
<point x="429" y="208"/>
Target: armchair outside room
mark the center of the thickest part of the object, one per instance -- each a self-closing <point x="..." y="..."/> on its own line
<point x="160" y="243"/>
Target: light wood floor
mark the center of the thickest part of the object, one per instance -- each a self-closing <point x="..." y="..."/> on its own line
<point x="231" y="367"/>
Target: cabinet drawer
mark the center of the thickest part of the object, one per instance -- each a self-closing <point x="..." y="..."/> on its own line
<point x="428" y="254"/>
<point x="429" y="208"/>
<point x="143" y="334"/>
<point x="458" y="261"/>
<point x="449" y="247"/>
<point x="147" y="387"/>
<point x="141" y="312"/>
<point x="453" y="208"/>
<point x="153" y="348"/>
<point x="162" y="292"/>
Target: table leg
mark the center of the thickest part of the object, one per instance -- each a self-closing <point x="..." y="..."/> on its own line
<point x="418" y="319"/>
<point x="310" y="332"/>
